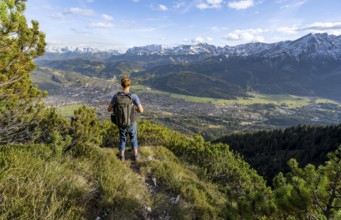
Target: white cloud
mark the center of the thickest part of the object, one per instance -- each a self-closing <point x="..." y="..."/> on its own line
<point x="243" y="36"/>
<point x="287" y="30"/>
<point x="242" y="4"/>
<point x="58" y="16"/>
<point x="210" y="4"/>
<point x="202" y="6"/>
<point x="200" y="39"/>
<point x="107" y="17"/>
<point x="324" y="26"/>
<point x="318" y="27"/>
<point x="294" y="5"/>
<point x="101" y="25"/>
<point x="179" y="4"/>
<point x="214" y="2"/>
<point x="80" y="11"/>
<point x="163" y="8"/>
<point x="218" y="29"/>
<point x="247" y="35"/>
<point x="73" y="11"/>
<point x="233" y="36"/>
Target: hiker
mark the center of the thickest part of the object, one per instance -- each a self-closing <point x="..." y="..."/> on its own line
<point x="124" y="106"/>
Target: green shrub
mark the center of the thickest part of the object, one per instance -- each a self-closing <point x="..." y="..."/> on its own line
<point x="110" y="135"/>
<point x="85" y="131"/>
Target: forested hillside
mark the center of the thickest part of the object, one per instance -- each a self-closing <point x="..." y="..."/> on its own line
<point x="52" y="167"/>
<point x="95" y="68"/>
<point x="269" y="151"/>
<point x="269" y="75"/>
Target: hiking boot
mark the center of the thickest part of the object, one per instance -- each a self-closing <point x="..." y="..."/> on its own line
<point x="137" y="157"/>
<point x="122" y="158"/>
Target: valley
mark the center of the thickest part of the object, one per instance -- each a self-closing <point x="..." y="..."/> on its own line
<point x="204" y="89"/>
<point x="209" y="117"/>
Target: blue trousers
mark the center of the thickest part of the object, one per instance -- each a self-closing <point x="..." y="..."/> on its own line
<point x="132" y="131"/>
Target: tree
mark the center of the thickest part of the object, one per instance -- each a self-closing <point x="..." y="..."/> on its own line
<point x="53" y="130"/>
<point x="85" y="131"/>
<point x="310" y="192"/>
<point x="20" y="44"/>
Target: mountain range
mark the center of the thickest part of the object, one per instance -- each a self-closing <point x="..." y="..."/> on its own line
<point x="308" y="66"/>
<point x="57" y="53"/>
<point x="311" y="45"/>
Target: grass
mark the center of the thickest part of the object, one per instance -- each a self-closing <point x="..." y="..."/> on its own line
<point x="36" y="184"/>
<point x="326" y="101"/>
<point x="199" y="199"/>
<point x="211" y="126"/>
<point x="287" y="100"/>
<point x="68" y="110"/>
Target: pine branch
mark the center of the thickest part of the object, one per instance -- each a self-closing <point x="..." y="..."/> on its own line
<point x="12" y="80"/>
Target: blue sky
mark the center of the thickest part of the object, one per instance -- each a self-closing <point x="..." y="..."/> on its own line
<point x="121" y="24"/>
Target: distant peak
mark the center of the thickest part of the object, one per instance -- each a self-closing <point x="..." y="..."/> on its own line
<point x="312" y="45"/>
<point x="80" y="50"/>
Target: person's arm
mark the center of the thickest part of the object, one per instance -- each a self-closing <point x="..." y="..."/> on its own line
<point x="137" y="103"/>
<point x="110" y="107"/>
<point x="139" y="108"/>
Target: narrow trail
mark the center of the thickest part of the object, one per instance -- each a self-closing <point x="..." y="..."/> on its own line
<point x="151" y="185"/>
<point x="149" y="180"/>
<point x="153" y="210"/>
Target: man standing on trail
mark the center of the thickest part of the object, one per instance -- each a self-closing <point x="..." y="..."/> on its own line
<point x="124" y="106"/>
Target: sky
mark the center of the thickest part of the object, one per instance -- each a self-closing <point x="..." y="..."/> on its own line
<point x="122" y="24"/>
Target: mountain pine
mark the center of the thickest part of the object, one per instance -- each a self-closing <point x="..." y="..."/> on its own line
<point x="311" y="192"/>
<point x="20" y="44"/>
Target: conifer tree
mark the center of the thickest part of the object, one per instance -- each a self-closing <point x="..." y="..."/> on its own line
<point x="85" y="131"/>
<point x="20" y="44"/>
<point x="309" y="192"/>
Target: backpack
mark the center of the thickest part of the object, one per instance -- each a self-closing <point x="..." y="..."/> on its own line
<point x="123" y="110"/>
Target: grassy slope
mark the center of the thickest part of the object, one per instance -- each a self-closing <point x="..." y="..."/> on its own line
<point x="37" y="184"/>
<point x="43" y="78"/>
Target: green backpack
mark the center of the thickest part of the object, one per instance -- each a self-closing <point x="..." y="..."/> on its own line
<point x="124" y="113"/>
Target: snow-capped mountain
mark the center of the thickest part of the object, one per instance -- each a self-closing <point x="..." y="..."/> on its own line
<point x="322" y="46"/>
<point x="72" y="53"/>
<point x="79" y="50"/>
<point x="154" y="49"/>
<point x="311" y="46"/>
